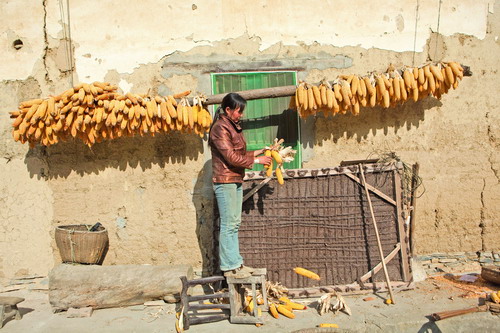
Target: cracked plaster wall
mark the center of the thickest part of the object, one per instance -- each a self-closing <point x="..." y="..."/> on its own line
<point x="154" y="195"/>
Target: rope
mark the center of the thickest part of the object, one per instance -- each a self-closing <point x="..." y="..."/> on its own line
<point x="67" y="37"/>
<point x="415" y="35"/>
<point x="437" y="36"/>
<point x="407" y="174"/>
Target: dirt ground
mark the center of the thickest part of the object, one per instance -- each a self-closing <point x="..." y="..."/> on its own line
<point x="409" y="314"/>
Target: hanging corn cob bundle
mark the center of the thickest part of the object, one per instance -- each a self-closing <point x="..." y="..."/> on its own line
<point x="280" y="155"/>
<point x="351" y="92"/>
<point x="97" y="112"/>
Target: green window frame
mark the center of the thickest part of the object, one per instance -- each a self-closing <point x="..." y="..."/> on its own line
<point x="264" y="119"/>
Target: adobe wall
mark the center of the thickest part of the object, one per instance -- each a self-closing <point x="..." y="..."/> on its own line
<point x="154" y="194"/>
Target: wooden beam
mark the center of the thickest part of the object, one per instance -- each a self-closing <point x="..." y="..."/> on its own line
<point x="256" y="188"/>
<point x="401" y="230"/>
<point x="274" y="92"/>
<point x="372" y="189"/>
<point x="378" y="267"/>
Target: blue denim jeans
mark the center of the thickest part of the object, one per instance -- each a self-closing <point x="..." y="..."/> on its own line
<point x="229" y="200"/>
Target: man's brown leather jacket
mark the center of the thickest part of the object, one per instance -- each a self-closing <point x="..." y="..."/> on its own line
<point x="229" y="152"/>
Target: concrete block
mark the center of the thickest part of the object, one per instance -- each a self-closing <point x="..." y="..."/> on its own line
<point x="98" y="286"/>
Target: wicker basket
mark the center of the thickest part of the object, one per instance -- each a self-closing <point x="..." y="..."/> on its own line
<point x="78" y="245"/>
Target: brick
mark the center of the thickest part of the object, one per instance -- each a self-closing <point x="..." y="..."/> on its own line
<point x="447" y="260"/>
<point x="486" y="260"/>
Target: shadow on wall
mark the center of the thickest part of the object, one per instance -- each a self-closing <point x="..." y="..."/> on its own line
<point x="73" y="156"/>
<point x="369" y="120"/>
<point x="203" y="199"/>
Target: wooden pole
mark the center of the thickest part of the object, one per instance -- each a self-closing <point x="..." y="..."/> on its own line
<point x="413" y="204"/>
<point x="274" y="92"/>
<point x="377" y="234"/>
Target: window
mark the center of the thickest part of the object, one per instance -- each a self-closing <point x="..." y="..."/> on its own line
<point x="264" y="119"/>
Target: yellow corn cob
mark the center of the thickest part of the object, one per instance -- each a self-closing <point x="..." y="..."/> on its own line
<point x="284" y="311"/>
<point x="311" y="101"/>
<point x="51" y="106"/>
<point x="494" y="297"/>
<point x="269" y="168"/>
<point x="386" y="99"/>
<point x="297" y="306"/>
<point x="164" y="111"/>
<point x="337" y="92"/>
<point x="185" y="115"/>
<point x="16" y="135"/>
<point x="191" y="110"/>
<point x="362" y="90"/>
<point x="397" y="89"/>
<point x="450" y="75"/>
<point x="370" y="89"/>
<point x="380" y="86"/>
<point x="305" y="99"/>
<point x="277" y="157"/>
<point x="415" y="73"/>
<point x="279" y="176"/>
<point x="421" y="76"/>
<point x="345" y="91"/>
<point x="330" y="96"/>
<point x="30" y="103"/>
<point x="355" y="107"/>
<point x="408" y="77"/>
<point x="284" y="299"/>
<point x="436" y="72"/>
<point x="322" y="91"/>
<point x="306" y="273"/>
<point x="415" y="94"/>
<point x="430" y="78"/>
<point x="317" y="97"/>
<point x="18" y="121"/>
<point x="250" y="305"/>
<point x="274" y="311"/>
<point x="301" y="94"/>
<point x="457" y="69"/>
<point x="402" y="86"/>
<point x="354" y="85"/>
<point x="328" y="325"/>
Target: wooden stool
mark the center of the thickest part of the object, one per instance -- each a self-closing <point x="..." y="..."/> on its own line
<point x="8" y="307"/>
<point x="190" y="314"/>
<point x="237" y="296"/>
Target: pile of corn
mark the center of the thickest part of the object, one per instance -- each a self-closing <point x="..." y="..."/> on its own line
<point x="350" y="92"/>
<point x="96" y="112"/>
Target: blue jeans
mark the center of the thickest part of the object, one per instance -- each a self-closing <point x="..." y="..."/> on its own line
<point x="229" y="200"/>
